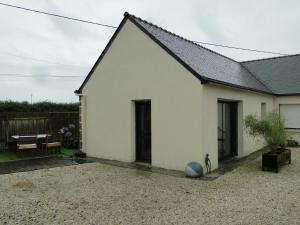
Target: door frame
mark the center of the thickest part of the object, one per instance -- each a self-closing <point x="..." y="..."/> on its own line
<point x="233" y="105"/>
<point x="136" y="149"/>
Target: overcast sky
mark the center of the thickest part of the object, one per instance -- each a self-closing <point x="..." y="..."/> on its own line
<point x="37" y="45"/>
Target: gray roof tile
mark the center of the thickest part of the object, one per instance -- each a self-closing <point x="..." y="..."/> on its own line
<point x="280" y="74"/>
<point x="207" y="64"/>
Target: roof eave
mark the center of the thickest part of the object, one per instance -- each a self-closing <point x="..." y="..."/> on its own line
<point x="287" y="94"/>
<point x="238" y="86"/>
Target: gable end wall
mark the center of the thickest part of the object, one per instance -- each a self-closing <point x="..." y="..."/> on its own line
<point x="137" y="68"/>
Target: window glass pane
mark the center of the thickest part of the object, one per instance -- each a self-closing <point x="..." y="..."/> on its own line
<point x="291" y="115"/>
<point x="263" y="109"/>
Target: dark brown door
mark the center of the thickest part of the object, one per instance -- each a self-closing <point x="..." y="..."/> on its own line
<point x="143" y="131"/>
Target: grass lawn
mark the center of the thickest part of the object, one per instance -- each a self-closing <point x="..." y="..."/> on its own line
<point x="68" y="152"/>
<point x="8" y="156"/>
<point x="11" y="156"/>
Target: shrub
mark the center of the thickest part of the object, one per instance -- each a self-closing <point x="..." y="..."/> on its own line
<point x="271" y="128"/>
<point x="68" y="138"/>
<point x="45" y="106"/>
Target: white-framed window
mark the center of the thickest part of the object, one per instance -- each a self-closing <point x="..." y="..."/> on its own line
<point x="291" y="115"/>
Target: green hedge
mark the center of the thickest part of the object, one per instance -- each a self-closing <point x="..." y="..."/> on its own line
<point x="11" y="106"/>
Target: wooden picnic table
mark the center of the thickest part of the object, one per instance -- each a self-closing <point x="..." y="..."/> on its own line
<point x="36" y="140"/>
<point x="38" y="136"/>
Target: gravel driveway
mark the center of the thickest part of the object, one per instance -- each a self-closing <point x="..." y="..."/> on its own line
<point x="96" y="193"/>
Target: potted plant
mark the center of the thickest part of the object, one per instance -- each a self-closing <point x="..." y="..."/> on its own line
<point x="291" y="142"/>
<point x="271" y="128"/>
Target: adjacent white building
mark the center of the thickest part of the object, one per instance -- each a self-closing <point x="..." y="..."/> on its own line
<point x="157" y="98"/>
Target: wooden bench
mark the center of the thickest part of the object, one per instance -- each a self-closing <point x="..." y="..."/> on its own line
<point x="26" y="144"/>
<point x="50" y="145"/>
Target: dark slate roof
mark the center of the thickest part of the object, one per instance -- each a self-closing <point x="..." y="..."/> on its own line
<point x="277" y="76"/>
<point x="206" y="64"/>
<point x="280" y="74"/>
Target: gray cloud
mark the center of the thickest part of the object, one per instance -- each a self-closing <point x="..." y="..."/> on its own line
<point x="268" y="25"/>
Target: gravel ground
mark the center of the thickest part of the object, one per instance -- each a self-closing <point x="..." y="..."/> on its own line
<point x="95" y="193"/>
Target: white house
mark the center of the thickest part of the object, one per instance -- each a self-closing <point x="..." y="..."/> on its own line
<point x="157" y="98"/>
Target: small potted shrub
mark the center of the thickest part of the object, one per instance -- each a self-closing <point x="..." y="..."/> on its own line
<point x="271" y="128"/>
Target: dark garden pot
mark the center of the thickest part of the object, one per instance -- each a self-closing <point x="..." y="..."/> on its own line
<point x="276" y="158"/>
<point x="80" y="154"/>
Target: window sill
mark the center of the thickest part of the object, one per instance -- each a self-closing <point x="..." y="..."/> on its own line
<point x="293" y="130"/>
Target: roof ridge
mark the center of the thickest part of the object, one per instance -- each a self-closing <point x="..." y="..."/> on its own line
<point x="176" y="35"/>
<point x="270" y="58"/>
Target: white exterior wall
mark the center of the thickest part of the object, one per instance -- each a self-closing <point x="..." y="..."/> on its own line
<point x="248" y="103"/>
<point x="295" y="133"/>
<point x="136" y="68"/>
<point x="183" y="112"/>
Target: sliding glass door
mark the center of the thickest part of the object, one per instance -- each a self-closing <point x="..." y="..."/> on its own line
<point x="227" y="129"/>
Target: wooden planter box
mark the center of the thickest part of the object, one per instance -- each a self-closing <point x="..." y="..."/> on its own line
<point x="276" y="158"/>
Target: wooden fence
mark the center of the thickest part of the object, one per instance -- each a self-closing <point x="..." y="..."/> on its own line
<point x="33" y="123"/>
